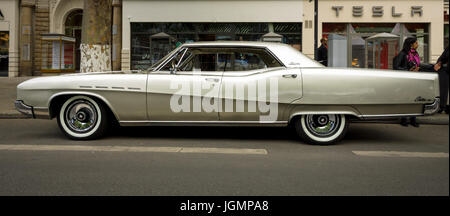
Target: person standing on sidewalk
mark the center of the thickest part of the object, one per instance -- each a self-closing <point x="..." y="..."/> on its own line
<point x="322" y="52"/>
<point x="442" y="68"/>
<point x="408" y="59"/>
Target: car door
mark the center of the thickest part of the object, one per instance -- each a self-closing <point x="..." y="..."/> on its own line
<point x="186" y="89"/>
<point x="257" y="87"/>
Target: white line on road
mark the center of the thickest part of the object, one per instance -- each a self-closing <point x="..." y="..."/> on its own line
<point x="132" y="149"/>
<point x="401" y="154"/>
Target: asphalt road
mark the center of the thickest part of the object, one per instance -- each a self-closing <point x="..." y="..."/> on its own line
<point x="288" y="166"/>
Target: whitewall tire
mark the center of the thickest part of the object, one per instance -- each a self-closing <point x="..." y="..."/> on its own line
<point x="82" y="118"/>
<point x="321" y="129"/>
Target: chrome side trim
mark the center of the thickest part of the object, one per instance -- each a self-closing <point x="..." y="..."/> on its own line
<point x="324" y="113"/>
<point x="203" y="123"/>
<point x="430" y="109"/>
<point x="383" y="116"/>
<point x="32" y="112"/>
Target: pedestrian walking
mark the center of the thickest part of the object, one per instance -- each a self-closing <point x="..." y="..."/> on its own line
<point x="441" y="67"/>
<point x="322" y="52"/>
<point x="409" y="60"/>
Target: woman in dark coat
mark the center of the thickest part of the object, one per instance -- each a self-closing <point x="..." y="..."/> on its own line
<point x="408" y="59"/>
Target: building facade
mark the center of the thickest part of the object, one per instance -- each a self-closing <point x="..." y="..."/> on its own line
<point x="361" y="22"/>
<point x="9" y="38"/>
<point x="145" y="30"/>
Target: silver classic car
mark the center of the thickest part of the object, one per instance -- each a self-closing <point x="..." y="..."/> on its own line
<point x="230" y="84"/>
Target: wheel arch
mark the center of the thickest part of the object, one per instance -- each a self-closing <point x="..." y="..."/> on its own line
<point x="297" y="115"/>
<point x="56" y="101"/>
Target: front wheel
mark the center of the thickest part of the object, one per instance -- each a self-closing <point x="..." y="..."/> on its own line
<point x="82" y="118"/>
<point x="321" y="129"/>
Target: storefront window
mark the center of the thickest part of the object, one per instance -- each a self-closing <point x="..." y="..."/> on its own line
<point x="372" y="27"/>
<point x="336" y="28"/>
<point x="291" y="33"/>
<point x="151" y="41"/>
<point x="416" y="27"/>
<point x="374" y="45"/>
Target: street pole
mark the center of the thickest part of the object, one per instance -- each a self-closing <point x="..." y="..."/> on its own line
<point x="117" y="35"/>
<point x="316" y="24"/>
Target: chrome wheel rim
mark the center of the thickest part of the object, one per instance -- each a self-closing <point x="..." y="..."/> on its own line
<point x="81" y="116"/>
<point x="323" y="125"/>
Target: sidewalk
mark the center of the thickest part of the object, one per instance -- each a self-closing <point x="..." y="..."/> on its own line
<point x="8" y="96"/>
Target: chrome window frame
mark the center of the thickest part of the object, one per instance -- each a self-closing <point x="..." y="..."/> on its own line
<point x="188" y="46"/>
<point x="201" y="47"/>
<point x="269" y="52"/>
<point x="157" y="68"/>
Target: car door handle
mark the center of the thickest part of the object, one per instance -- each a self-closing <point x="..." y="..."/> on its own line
<point x="212" y="79"/>
<point x="290" y="75"/>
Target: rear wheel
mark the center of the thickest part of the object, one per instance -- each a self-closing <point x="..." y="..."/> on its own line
<point x="321" y="129"/>
<point x="82" y="118"/>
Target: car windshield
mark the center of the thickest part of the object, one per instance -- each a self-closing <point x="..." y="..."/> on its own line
<point x="153" y="67"/>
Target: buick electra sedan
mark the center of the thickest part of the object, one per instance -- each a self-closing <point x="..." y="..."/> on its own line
<point x="230" y="84"/>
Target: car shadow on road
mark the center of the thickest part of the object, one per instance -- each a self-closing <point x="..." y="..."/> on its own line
<point x="203" y="132"/>
<point x="356" y="133"/>
<point x="377" y="133"/>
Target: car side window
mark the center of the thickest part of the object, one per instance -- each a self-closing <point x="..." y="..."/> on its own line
<point x="174" y="61"/>
<point x="245" y="59"/>
<point x="204" y="59"/>
<point x="221" y="59"/>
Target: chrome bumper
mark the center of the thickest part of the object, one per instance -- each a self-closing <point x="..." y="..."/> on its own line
<point x="32" y="112"/>
<point x="430" y="109"/>
<point x="24" y="109"/>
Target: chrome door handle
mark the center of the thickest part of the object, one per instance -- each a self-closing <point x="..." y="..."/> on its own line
<point x="290" y="75"/>
<point x="212" y="79"/>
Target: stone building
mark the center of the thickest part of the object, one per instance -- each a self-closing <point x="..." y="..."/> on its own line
<point x="23" y="21"/>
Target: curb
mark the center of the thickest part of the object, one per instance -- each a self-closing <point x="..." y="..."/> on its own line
<point x="12" y="115"/>
<point x="436" y="121"/>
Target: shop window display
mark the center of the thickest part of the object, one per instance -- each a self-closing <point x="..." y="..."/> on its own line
<point x="374" y="45"/>
<point x="147" y="50"/>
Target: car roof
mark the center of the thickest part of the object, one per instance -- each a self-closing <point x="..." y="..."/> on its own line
<point x="234" y="43"/>
<point x="288" y="55"/>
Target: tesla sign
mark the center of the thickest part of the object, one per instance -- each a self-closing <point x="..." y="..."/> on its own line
<point x="378" y="11"/>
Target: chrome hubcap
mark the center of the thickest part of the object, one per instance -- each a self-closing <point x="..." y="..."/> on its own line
<point x="323" y="125"/>
<point x="81" y="116"/>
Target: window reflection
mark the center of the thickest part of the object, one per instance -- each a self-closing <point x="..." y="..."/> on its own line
<point x="152" y="41"/>
<point x="374" y="45"/>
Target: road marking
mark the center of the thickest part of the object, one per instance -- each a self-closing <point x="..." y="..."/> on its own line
<point x="401" y="154"/>
<point x="132" y="149"/>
